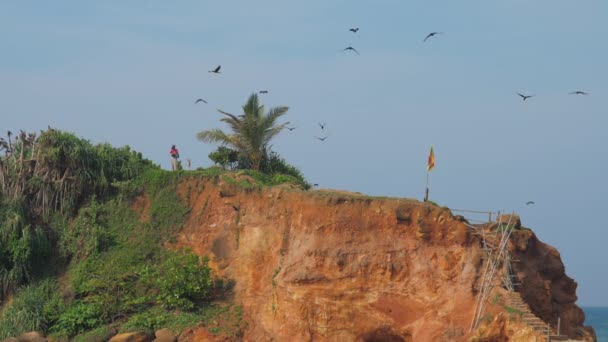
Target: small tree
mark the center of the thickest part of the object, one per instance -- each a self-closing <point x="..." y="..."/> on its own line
<point x="225" y="157"/>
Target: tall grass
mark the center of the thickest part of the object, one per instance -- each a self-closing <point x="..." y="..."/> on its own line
<point x="28" y="310"/>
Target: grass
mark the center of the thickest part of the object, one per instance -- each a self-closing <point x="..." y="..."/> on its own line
<point x="100" y="334"/>
<point x="513" y="312"/>
<point x="28" y="310"/>
<point x="497" y="298"/>
<point x="157" y="318"/>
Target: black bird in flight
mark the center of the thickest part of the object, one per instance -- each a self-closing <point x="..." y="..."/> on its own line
<point x="525" y="97"/>
<point x="200" y="100"/>
<point x="354" y="30"/>
<point x="291" y="128"/>
<point x="529" y="202"/>
<point x="350" y="48"/>
<point x="263" y="91"/>
<point x="323" y="139"/>
<point x="322" y="125"/>
<point x="432" y="34"/>
<point x="216" y="70"/>
<point x="578" y="92"/>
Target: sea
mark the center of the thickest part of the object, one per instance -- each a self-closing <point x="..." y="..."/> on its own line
<point x="597" y="317"/>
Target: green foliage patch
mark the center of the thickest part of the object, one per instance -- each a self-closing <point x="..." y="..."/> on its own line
<point x="29" y="310"/>
<point x="183" y="278"/>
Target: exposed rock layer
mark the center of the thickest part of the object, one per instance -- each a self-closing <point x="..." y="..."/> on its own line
<point x="337" y="266"/>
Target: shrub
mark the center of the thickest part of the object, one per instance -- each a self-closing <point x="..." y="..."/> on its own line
<point x="183" y="278"/>
<point x="27" y="310"/>
<point x="274" y="164"/>
<point x="22" y="246"/>
<point x="88" y="235"/>
<point x="78" y="318"/>
<point x="225" y="157"/>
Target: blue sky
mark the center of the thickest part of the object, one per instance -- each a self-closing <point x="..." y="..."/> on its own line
<point x="129" y="72"/>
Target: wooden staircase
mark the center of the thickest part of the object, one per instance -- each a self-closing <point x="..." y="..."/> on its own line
<point x="515" y="301"/>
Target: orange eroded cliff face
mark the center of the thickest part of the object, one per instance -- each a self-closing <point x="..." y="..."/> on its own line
<point x="337" y="266"/>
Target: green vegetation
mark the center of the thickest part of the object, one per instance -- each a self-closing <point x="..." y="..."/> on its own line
<point x="31" y="310"/>
<point x="247" y="146"/>
<point x="497" y="298"/>
<point x="183" y="279"/>
<point x="76" y="261"/>
<point x="119" y="274"/>
<point x="251" y="132"/>
<point x="44" y="176"/>
<point x="513" y="312"/>
<point x="65" y="211"/>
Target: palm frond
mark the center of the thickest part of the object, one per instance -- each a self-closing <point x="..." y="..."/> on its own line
<point x="214" y="136"/>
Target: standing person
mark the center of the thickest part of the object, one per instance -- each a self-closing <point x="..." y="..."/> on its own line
<point x="174" y="156"/>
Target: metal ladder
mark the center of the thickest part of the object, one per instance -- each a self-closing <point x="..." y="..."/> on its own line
<point x="495" y="254"/>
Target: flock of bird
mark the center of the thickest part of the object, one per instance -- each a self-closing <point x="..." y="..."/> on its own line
<point x="349" y="48"/>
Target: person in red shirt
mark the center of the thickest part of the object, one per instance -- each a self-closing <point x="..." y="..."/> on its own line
<point x="174" y="156"/>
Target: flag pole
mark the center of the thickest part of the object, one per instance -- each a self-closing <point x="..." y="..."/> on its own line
<point x="426" y="194"/>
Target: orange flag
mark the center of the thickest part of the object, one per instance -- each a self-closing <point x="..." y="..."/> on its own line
<point x="431" y="162"/>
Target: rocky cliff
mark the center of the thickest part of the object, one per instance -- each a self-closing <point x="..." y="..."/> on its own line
<point x="337" y="266"/>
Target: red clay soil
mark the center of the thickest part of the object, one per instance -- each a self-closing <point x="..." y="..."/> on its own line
<point x="328" y="266"/>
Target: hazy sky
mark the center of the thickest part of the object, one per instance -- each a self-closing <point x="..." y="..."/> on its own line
<point x="129" y="72"/>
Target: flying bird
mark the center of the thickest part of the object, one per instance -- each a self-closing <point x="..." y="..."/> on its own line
<point x="216" y="70"/>
<point x="323" y="139"/>
<point x="236" y="208"/>
<point x="315" y="185"/>
<point x="200" y="100"/>
<point x="525" y="97"/>
<point x="578" y="92"/>
<point x="350" y="48"/>
<point x="432" y="34"/>
<point x="529" y="202"/>
<point x="263" y="91"/>
<point x="322" y="125"/>
<point x="291" y="128"/>
<point x="354" y="30"/>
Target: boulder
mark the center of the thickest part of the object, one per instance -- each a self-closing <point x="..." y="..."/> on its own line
<point x="164" y="335"/>
<point x="196" y="335"/>
<point x="10" y="339"/>
<point x="131" y="337"/>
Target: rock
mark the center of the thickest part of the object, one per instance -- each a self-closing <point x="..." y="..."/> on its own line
<point x="196" y="335"/>
<point x="31" y="337"/>
<point x="336" y="266"/>
<point x="10" y="339"/>
<point x="164" y="335"/>
<point x="131" y="337"/>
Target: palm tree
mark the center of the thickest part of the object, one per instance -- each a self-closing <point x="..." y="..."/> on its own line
<point x="251" y="131"/>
